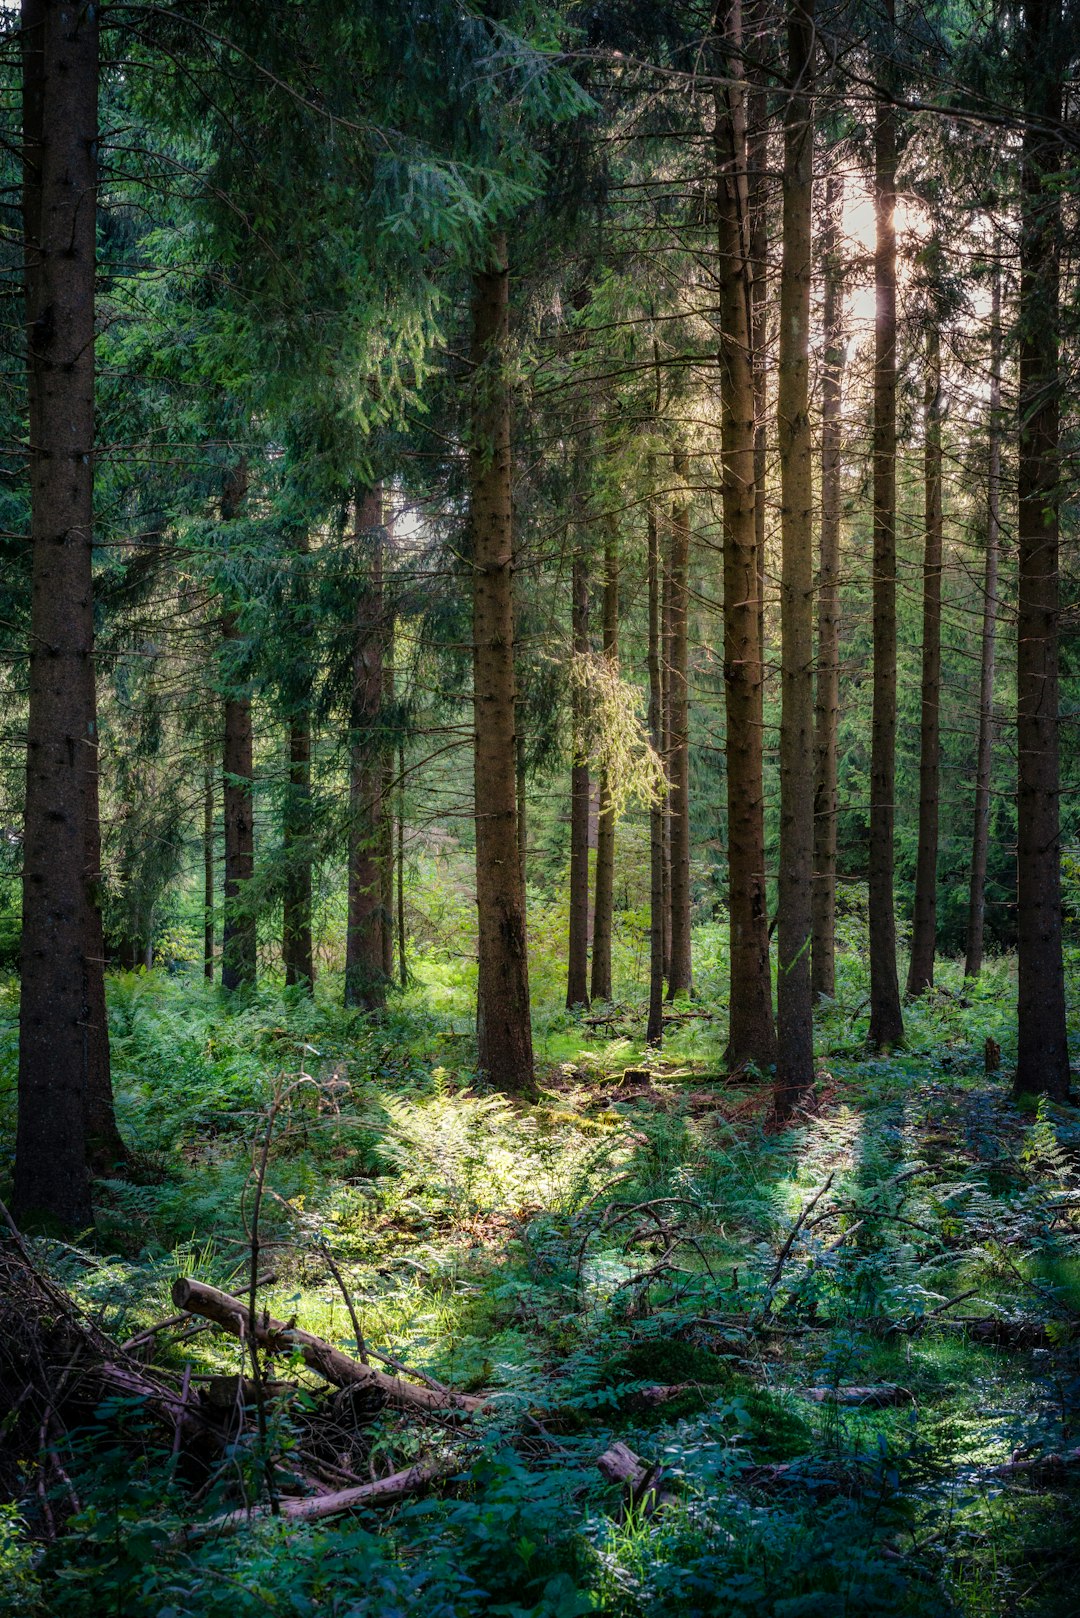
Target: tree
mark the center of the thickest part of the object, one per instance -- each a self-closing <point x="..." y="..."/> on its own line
<point x="924" y="928"/>
<point x="296" y="945"/>
<point x="504" y="1028"/>
<point x="239" y="943"/>
<point x="577" y="965"/>
<point x="365" y="975"/>
<point x="1042" y="1063"/>
<point x="604" y="897"/>
<point x="886" y="1018"/>
<point x="679" y="968"/>
<point x="751" y="1032"/>
<point x="63" y="1050"/>
<point x="795" y="1027"/>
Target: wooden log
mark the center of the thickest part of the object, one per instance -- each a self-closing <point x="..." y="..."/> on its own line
<point x="877" y="1396"/>
<point x="641" y="1482"/>
<point x="313" y="1508"/>
<point x="275" y="1337"/>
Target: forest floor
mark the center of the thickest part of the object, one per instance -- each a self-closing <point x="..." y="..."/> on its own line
<point x="848" y="1354"/>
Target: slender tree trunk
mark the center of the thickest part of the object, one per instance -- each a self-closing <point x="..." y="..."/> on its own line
<point x="60" y="995"/>
<point x="239" y="941"/>
<point x="751" y="1032"/>
<point x="365" y="983"/>
<point x="296" y="929"/>
<point x="795" y="1025"/>
<point x="403" y="963"/>
<point x="654" y="1032"/>
<point x="680" y="976"/>
<point x="827" y="714"/>
<point x="665" y="751"/>
<point x="757" y="202"/>
<point x="504" y="1028"/>
<point x="603" y="906"/>
<point x="104" y="1147"/>
<point x="577" y="970"/>
<point x="387" y="822"/>
<point x="985" y="754"/>
<point x="886" y="1019"/>
<point x="208" y="867"/>
<point x="1042" y="1047"/>
<point x="924" y="928"/>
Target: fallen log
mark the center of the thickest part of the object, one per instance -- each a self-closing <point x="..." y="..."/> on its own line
<point x="275" y="1337"/>
<point x="640" y="1481"/>
<point x="878" y="1396"/>
<point x="1036" y="1468"/>
<point x="313" y="1508"/>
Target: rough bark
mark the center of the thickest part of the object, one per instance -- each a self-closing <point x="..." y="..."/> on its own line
<point x="1042" y="1048"/>
<point x="924" y="923"/>
<point x="504" y="1028"/>
<point x="61" y="965"/>
<point x="402" y="958"/>
<point x="680" y="972"/>
<point x="654" y="1032"/>
<point x="827" y="700"/>
<point x="208" y="869"/>
<point x="795" y="1028"/>
<point x="387" y="827"/>
<point x="665" y="750"/>
<point x="886" y="1019"/>
<point x="751" y="1033"/>
<point x="577" y="971"/>
<point x="239" y="935"/>
<point x="604" y="896"/>
<point x="757" y="20"/>
<point x="296" y="910"/>
<point x="104" y="1146"/>
<point x="365" y="979"/>
<point x="980" y="842"/>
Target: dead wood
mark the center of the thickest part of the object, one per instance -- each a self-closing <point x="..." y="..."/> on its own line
<point x="275" y="1337"/>
<point x="640" y="1481"/>
<point x="878" y="1396"/>
<point x="312" y="1508"/>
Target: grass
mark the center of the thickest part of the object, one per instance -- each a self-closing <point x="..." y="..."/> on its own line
<point x="510" y="1249"/>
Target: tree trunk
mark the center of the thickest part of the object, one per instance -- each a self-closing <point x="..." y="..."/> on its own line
<point x="751" y="1032"/>
<point x="924" y="928"/>
<point x="577" y="968"/>
<point x="402" y="960"/>
<point x="365" y="982"/>
<point x="387" y="826"/>
<point x="1042" y="1048"/>
<point x="104" y="1146"/>
<point x="827" y="716"/>
<point x="886" y="1020"/>
<point x="603" y="907"/>
<point x="680" y="975"/>
<point x="795" y="1025"/>
<point x="296" y="917"/>
<point x="665" y="750"/>
<point x="654" y="1032"/>
<point x="504" y="1027"/>
<point x="208" y="869"/>
<point x="985" y="755"/>
<point x="239" y="940"/>
<point x="757" y="202"/>
<point x="62" y="966"/>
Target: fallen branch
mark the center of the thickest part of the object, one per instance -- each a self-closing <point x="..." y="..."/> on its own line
<point x="275" y="1337"/>
<point x="878" y="1396"/>
<point x="312" y="1508"/>
<point x="782" y="1256"/>
<point x="639" y="1480"/>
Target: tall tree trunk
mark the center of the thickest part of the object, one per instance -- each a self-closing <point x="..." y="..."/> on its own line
<point x="402" y="959"/>
<point x="886" y="1019"/>
<point x="62" y="986"/>
<point x="680" y="976"/>
<point x="504" y="1027"/>
<point x="665" y="749"/>
<point x="365" y="982"/>
<point x="239" y="942"/>
<point x="751" y="1032"/>
<point x="924" y="928"/>
<point x="577" y="968"/>
<point x="654" y="1032"/>
<point x="208" y="867"/>
<point x="104" y="1147"/>
<point x="985" y="753"/>
<point x="1042" y="1048"/>
<point x="387" y="826"/>
<point x="296" y="929"/>
<point x="757" y="201"/>
<point x="604" y="902"/>
<point x="795" y="1025"/>
<point x="827" y="702"/>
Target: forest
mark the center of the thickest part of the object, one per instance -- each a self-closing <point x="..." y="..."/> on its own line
<point x="539" y="808"/>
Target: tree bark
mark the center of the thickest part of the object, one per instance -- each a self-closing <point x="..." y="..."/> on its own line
<point x="757" y="202"/>
<point x="751" y="1032"/>
<point x="654" y="1032"/>
<point x="504" y="1027"/>
<point x="365" y="981"/>
<point x="577" y="969"/>
<point x="387" y="827"/>
<point x="886" y="1019"/>
<point x="665" y="750"/>
<point x="827" y="714"/>
<point x="296" y="918"/>
<point x="985" y="752"/>
<point x="402" y="958"/>
<point x="62" y="965"/>
<point x="795" y="1026"/>
<point x="1042" y="1048"/>
<point x="680" y="979"/>
<point x="208" y="868"/>
<point x="604" y="901"/>
<point x="239" y="935"/>
<point x="924" y="927"/>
